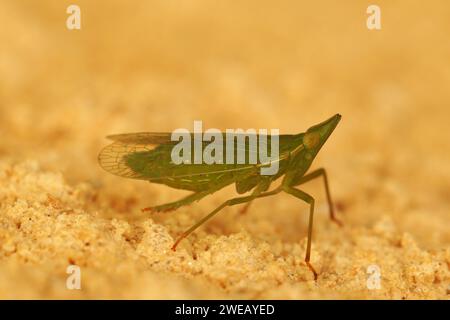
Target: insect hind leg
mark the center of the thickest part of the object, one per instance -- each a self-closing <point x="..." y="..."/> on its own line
<point x="230" y="202"/>
<point x="176" y="204"/>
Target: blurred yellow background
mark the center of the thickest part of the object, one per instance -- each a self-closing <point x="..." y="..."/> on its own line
<point x="159" y="65"/>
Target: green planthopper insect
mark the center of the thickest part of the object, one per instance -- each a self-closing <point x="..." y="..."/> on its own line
<point x="148" y="156"/>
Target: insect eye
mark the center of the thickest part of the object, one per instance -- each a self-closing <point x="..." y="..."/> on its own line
<point x="311" y="139"/>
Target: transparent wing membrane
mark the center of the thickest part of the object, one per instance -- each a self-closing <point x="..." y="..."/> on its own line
<point x="112" y="158"/>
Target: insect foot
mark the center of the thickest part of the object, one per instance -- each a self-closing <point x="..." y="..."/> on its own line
<point x="312" y="270"/>
<point x="174" y="246"/>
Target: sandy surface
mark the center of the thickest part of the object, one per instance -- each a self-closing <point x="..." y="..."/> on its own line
<point x="157" y="66"/>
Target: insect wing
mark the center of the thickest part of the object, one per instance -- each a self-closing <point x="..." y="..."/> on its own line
<point x="114" y="158"/>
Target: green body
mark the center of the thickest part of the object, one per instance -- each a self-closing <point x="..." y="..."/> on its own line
<point x="156" y="166"/>
<point x="147" y="156"/>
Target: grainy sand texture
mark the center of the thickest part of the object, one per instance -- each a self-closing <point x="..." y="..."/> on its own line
<point x="160" y="65"/>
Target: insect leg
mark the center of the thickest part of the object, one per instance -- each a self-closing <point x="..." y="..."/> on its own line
<point x="315" y="174"/>
<point x="310" y="200"/>
<point x="176" y="204"/>
<point x="230" y="202"/>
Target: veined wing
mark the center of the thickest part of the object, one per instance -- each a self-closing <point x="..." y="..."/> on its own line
<point x="112" y="158"/>
<point x="147" y="156"/>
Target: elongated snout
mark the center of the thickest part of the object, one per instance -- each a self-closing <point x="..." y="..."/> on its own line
<point x="316" y="136"/>
<point x="327" y="127"/>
